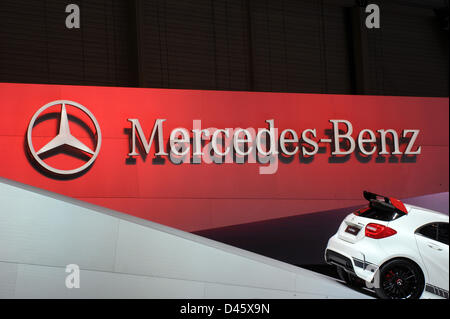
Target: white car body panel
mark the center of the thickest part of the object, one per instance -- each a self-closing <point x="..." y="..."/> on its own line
<point x="368" y="254"/>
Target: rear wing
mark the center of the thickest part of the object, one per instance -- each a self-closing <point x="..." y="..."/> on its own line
<point x="385" y="203"/>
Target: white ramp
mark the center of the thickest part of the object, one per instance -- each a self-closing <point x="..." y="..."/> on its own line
<point x="125" y="257"/>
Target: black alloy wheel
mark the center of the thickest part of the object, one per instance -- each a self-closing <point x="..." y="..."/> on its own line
<point x="400" y="279"/>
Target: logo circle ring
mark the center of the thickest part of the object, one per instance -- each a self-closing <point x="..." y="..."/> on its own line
<point x="45" y="165"/>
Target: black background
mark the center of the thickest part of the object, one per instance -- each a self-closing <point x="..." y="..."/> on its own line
<point x="305" y="46"/>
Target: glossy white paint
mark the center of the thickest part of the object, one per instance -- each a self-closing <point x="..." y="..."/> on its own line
<point x="430" y="255"/>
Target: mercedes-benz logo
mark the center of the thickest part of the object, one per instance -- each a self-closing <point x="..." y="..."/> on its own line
<point x="64" y="138"/>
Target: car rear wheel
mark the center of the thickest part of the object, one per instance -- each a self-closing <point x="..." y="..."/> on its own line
<point x="350" y="279"/>
<point x="400" y="279"/>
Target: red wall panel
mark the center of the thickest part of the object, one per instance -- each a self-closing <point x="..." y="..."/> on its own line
<point x="194" y="197"/>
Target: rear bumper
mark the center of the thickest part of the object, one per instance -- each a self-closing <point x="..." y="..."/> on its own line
<point x="353" y="258"/>
<point x="335" y="258"/>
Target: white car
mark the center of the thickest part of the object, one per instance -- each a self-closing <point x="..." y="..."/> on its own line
<point x="399" y="250"/>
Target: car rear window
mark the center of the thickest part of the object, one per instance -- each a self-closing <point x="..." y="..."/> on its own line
<point x="379" y="214"/>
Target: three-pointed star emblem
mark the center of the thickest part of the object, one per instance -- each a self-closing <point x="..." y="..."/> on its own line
<point x="64" y="137"/>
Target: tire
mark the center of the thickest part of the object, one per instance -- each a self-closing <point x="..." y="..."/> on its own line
<point x="400" y="279"/>
<point x="350" y="279"/>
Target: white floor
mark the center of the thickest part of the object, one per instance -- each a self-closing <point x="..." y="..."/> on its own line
<point x="125" y="257"/>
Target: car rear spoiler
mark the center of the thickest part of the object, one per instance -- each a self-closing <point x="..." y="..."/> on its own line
<point x="385" y="203"/>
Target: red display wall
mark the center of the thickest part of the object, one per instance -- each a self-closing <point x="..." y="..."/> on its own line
<point x="193" y="197"/>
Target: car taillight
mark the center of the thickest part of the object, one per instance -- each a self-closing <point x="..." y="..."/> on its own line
<point x="378" y="231"/>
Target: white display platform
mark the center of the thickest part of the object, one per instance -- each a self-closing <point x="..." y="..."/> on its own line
<point x="121" y="256"/>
